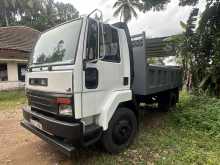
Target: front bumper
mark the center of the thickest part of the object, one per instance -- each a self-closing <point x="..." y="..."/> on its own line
<point x="54" y="131"/>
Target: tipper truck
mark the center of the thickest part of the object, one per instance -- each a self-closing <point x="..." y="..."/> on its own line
<point x="86" y="80"/>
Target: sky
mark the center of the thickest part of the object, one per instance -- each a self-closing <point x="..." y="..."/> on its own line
<point x="155" y="24"/>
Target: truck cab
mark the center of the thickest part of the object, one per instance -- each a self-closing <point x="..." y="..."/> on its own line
<point x="80" y="86"/>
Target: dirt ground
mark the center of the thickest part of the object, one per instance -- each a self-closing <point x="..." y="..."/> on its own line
<point x="20" y="147"/>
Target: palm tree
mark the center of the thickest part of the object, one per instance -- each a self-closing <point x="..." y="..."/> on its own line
<point x="127" y="9"/>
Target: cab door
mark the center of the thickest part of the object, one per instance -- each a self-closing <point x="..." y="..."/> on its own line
<point x="103" y="67"/>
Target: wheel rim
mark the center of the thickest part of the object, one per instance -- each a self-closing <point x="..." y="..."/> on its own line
<point x="122" y="132"/>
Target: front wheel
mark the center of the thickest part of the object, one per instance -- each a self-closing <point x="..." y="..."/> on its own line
<point x="121" y="131"/>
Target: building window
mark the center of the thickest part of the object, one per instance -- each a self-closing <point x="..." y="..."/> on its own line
<point x="3" y="72"/>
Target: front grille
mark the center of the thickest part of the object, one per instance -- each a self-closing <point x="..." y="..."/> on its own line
<point x="43" y="102"/>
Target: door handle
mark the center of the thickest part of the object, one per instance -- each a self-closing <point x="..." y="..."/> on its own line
<point x="125" y="81"/>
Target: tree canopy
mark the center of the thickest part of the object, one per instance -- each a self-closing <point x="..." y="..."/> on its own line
<point x="199" y="49"/>
<point x="39" y="14"/>
<point x="127" y="9"/>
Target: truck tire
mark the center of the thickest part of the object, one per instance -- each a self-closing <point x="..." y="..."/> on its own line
<point x="173" y="99"/>
<point x="168" y="101"/>
<point x="121" y="131"/>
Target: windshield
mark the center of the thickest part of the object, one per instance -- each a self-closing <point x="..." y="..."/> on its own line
<point x="58" y="45"/>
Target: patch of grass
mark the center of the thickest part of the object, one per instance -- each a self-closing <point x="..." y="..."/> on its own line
<point x="198" y="114"/>
<point x="188" y="135"/>
<point x="194" y="132"/>
<point x="12" y="99"/>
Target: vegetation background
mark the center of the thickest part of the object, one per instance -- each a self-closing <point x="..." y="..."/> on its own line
<point x="38" y="14"/>
<point x="197" y="48"/>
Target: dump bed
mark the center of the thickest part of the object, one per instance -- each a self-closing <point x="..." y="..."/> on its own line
<point x="151" y="79"/>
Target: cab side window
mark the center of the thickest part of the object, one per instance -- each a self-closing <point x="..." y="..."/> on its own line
<point x="92" y="41"/>
<point x="110" y="49"/>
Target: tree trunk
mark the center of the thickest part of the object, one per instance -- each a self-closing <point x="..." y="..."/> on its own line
<point x="6" y="17"/>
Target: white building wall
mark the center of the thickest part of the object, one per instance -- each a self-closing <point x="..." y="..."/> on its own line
<point x="12" y="71"/>
<point x="12" y="83"/>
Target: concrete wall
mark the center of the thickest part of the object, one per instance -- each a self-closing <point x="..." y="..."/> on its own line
<point x="12" y="83"/>
<point x="12" y="71"/>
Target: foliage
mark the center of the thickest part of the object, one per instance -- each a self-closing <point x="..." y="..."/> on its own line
<point x="39" y="14"/>
<point x="208" y="55"/>
<point x="156" y="5"/>
<point x="188" y="2"/>
<point x="126" y="9"/>
<point x="66" y="11"/>
<point x="188" y="135"/>
<point x="198" y="113"/>
<point x="185" y="44"/>
<point x="199" y="50"/>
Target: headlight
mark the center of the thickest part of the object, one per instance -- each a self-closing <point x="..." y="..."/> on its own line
<point x="65" y="110"/>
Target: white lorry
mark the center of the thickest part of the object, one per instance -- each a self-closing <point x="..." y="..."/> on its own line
<point x="85" y="82"/>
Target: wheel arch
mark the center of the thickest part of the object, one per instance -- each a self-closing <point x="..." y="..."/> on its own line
<point x="132" y="105"/>
<point x="108" y="109"/>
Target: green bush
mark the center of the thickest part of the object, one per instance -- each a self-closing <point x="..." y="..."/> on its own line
<point x="199" y="113"/>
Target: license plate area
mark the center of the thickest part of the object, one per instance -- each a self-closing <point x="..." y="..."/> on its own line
<point x="36" y="124"/>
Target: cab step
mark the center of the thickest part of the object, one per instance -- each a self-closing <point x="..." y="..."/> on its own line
<point x="92" y="134"/>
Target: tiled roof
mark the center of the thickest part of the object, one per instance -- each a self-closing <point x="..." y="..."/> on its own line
<point x="19" y="38"/>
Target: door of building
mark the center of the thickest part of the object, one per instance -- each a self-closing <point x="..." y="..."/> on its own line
<point x="21" y="72"/>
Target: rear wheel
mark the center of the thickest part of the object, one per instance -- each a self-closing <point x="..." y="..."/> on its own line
<point x="168" y="101"/>
<point x="121" y="131"/>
